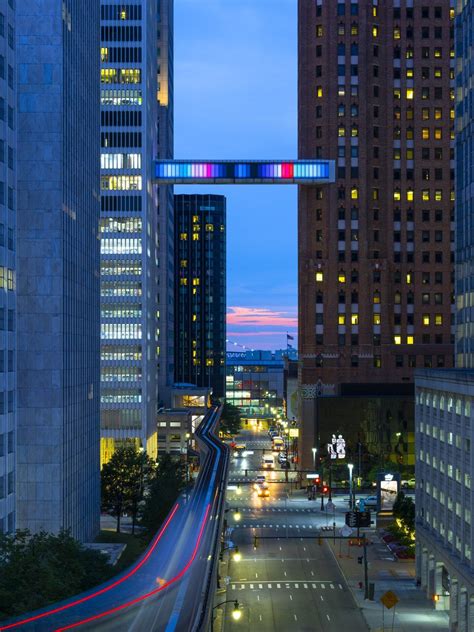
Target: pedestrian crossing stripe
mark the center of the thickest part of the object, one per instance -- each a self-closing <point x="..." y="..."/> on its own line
<point x="288" y="585"/>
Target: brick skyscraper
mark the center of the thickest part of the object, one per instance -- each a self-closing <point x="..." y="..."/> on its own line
<point x="375" y="248"/>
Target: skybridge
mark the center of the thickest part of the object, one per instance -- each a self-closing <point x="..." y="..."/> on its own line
<point x="244" y="172"/>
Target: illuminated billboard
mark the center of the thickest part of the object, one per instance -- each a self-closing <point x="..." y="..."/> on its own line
<point x="244" y="171"/>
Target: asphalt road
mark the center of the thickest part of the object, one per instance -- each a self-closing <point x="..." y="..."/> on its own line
<point x="290" y="581"/>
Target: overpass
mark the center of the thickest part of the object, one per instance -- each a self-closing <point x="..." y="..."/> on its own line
<point x="303" y="172"/>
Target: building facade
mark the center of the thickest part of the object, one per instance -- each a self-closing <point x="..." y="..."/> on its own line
<point x="136" y="219"/>
<point x="58" y="328"/>
<point x="444" y="491"/>
<point x="8" y="228"/>
<point x="375" y="248"/>
<point x="200" y="286"/>
<point x="255" y="383"/>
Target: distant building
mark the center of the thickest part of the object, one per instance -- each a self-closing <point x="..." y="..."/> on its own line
<point x="200" y="297"/>
<point x="255" y="383"/>
<point x="58" y="328"/>
<point x="375" y="247"/>
<point x="8" y="272"/>
<point x="136" y="225"/>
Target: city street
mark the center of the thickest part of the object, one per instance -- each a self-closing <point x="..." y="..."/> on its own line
<point x="289" y="581"/>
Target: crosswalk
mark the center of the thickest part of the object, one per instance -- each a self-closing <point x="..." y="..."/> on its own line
<point x="286" y="586"/>
<point x="279" y="510"/>
<point x="254" y="525"/>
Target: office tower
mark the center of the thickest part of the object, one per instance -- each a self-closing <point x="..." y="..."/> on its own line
<point x="136" y="127"/>
<point x="445" y="399"/>
<point x="375" y="248"/>
<point x="58" y="334"/>
<point x="8" y="207"/>
<point x="200" y="248"/>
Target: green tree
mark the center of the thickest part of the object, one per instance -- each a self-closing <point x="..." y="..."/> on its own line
<point x="165" y="486"/>
<point x="123" y="482"/>
<point x="39" y="569"/>
<point x="230" y="419"/>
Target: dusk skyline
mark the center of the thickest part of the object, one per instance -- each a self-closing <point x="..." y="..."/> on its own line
<point x="243" y="105"/>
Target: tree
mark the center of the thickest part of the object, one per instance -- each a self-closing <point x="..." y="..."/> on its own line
<point x="230" y="419"/>
<point x="39" y="569"/>
<point x="165" y="486"/>
<point x="123" y="481"/>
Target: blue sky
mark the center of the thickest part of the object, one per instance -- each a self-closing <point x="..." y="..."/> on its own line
<point x="235" y="97"/>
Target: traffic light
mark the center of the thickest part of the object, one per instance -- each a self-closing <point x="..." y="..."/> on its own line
<point x="317" y="481"/>
<point x="325" y="489"/>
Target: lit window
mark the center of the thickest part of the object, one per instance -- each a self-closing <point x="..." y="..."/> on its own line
<point x="341" y="319"/>
<point x="183" y="281"/>
<point x="438" y="319"/>
<point x="376" y="297"/>
<point x="426" y="320"/>
<point x="319" y="277"/>
<point x="354" y="319"/>
<point x="409" y="278"/>
<point x="438" y="195"/>
<point x="377" y="319"/>
<point x="375" y="31"/>
<point x="425" y="133"/>
<point x="196" y="281"/>
<point x="410" y="340"/>
<point x="438" y="133"/>
<point x="319" y="91"/>
<point x="354" y="193"/>
<point x="397" y="195"/>
<point x="342" y="277"/>
<point x="410" y="93"/>
<point x="195" y="236"/>
<point x="397" y="340"/>
<point x="183" y="236"/>
<point x="425" y="195"/>
<point x="410" y="195"/>
<point x="341" y="130"/>
<point x="396" y="32"/>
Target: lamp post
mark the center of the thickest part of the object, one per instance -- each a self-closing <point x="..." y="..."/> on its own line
<point x="314" y="450"/>
<point x="351" y="467"/>
<point x="236" y="612"/>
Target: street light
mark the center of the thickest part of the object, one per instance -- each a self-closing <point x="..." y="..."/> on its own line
<point x="236" y="554"/>
<point x="351" y="467"/>
<point x="237" y="515"/>
<point x="236" y="612"/>
<point x="314" y="450"/>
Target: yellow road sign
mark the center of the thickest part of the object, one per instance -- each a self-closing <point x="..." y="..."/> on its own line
<point x="389" y="599"/>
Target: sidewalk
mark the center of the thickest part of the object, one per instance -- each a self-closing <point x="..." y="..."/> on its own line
<point x="413" y="613"/>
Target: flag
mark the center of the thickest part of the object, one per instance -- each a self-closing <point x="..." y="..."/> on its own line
<point x="288" y="337"/>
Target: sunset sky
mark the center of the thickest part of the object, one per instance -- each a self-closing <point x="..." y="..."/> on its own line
<point x="235" y="97"/>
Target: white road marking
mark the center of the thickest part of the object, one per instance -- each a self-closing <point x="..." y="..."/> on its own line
<point x="256" y="575"/>
<point x="260" y="585"/>
<point x="291" y="598"/>
<point x="322" y="598"/>
<point x="260" y="617"/>
<point x="258" y="597"/>
<point x="312" y="573"/>
<point x="340" y="586"/>
<point x="278" y="585"/>
<point x="284" y="573"/>
<point x="251" y="586"/>
<point x="296" y="618"/>
<point x="297" y="585"/>
<point x="305" y="585"/>
<point x="331" y="585"/>
<point x="328" y="617"/>
<point x="323" y="586"/>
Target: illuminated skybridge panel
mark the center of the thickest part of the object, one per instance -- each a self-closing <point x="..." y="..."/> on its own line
<point x="244" y="171"/>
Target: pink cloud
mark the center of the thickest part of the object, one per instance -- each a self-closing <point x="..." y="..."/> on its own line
<point x="251" y="316"/>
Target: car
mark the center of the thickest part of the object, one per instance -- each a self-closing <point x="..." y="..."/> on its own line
<point x="259" y="480"/>
<point x="282" y="457"/>
<point x="370" y="501"/>
<point x="263" y="492"/>
<point x="410" y="483"/>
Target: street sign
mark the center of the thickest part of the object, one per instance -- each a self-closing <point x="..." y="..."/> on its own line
<point x="389" y="599"/>
<point x="345" y="531"/>
<point x="358" y="519"/>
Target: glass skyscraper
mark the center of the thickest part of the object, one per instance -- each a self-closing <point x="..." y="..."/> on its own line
<point x="136" y="219"/>
<point x="58" y="329"/>
<point x="8" y="207"/>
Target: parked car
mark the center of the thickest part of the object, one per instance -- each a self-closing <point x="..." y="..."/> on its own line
<point x="370" y="502"/>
